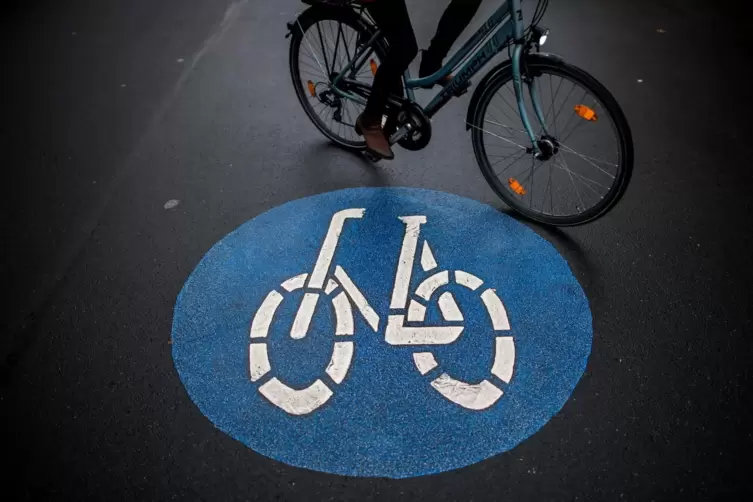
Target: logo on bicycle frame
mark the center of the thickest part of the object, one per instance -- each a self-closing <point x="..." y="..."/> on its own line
<point x="339" y="289"/>
<point x="390" y="332"/>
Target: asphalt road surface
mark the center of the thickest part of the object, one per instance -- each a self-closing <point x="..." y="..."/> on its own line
<point x="114" y="108"/>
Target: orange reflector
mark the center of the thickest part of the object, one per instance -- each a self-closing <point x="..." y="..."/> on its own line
<point x="312" y="89"/>
<point x="516" y="187"/>
<point x="373" y="65"/>
<point x="586" y="112"/>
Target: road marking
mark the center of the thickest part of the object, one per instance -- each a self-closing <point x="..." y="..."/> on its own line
<point x="427" y="258"/>
<point x="358" y="299"/>
<point x="328" y="246"/>
<point x="367" y="354"/>
<point x="399" y="334"/>
<point x="296" y="402"/>
<point x="470" y="281"/>
<point x="344" y="322"/>
<point x="258" y="360"/>
<point x="427" y="288"/>
<point x="294" y="283"/>
<point x="340" y="362"/>
<point x="504" y="358"/>
<point x="472" y="396"/>
<point x="304" y="315"/>
<point x="449" y="308"/>
<point x="496" y="310"/>
<point x="416" y="312"/>
<point x="425" y="362"/>
<point x="263" y="317"/>
<point x="405" y="262"/>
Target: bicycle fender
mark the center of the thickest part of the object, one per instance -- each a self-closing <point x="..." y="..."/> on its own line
<point x="316" y="8"/>
<point x="498" y="72"/>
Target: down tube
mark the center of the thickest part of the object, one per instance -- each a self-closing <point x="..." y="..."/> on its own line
<point x="490" y="49"/>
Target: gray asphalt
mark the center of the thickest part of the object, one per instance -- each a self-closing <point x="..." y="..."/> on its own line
<point x="114" y="108"/>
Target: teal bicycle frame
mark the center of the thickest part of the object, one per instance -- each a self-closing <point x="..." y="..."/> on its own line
<point x="508" y="23"/>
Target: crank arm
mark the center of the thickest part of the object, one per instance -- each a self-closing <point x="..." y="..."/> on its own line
<point x="400" y="133"/>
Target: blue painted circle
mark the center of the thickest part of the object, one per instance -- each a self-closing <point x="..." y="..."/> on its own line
<point x="384" y="419"/>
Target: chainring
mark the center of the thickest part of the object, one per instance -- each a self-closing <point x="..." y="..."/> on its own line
<point x="420" y="133"/>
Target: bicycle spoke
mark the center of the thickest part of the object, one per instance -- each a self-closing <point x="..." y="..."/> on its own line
<point x="337" y="64"/>
<point x="497" y="136"/>
<point x="570" y="150"/>
<point x="551" y="195"/>
<point x="503" y="157"/>
<point x="505" y="126"/>
<point x="509" y="165"/>
<point x="584" y="181"/>
<point x="326" y="48"/>
<point x="514" y="109"/>
<point x="554" y="100"/>
<point x="569" y="173"/>
<point x="582" y="171"/>
<point x="331" y="47"/>
<point x="496" y="121"/>
<point x="572" y="116"/>
<point x="309" y="72"/>
<point x="313" y="56"/>
<point x="589" y="161"/>
<point x="530" y="199"/>
<point x="337" y="42"/>
<point x="324" y="52"/>
<point x="556" y="114"/>
<point x="583" y="178"/>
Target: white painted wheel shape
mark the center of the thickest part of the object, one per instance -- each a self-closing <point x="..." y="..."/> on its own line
<point x="484" y="394"/>
<point x="309" y="399"/>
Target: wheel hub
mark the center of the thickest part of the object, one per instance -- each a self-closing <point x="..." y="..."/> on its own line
<point x="548" y="147"/>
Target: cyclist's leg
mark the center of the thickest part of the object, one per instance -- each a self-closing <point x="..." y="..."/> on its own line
<point x="454" y="20"/>
<point x="392" y="18"/>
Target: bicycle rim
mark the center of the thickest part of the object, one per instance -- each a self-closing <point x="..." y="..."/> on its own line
<point x="589" y="148"/>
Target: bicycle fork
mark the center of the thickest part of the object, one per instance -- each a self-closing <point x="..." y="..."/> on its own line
<point x="533" y="91"/>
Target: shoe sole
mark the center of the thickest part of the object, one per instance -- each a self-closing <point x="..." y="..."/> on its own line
<point x="370" y="150"/>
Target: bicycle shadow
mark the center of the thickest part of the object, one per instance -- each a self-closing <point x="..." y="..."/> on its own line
<point x="327" y="166"/>
<point x="580" y="263"/>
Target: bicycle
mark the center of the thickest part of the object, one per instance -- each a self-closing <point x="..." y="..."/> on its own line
<point x="336" y="82"/>
<point x="406" y="325"/>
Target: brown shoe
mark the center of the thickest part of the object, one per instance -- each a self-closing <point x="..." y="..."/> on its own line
<point x="376" y="142"/>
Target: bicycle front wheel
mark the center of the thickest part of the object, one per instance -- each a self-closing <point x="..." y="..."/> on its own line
<point x="324" y="41"/>
<point x="586" y="147"/>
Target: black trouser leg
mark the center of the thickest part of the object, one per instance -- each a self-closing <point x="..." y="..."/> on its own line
<point x="392" y="19"/>
<point x="456" y="17"/>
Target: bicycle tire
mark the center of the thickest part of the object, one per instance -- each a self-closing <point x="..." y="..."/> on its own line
<point x="308" y="19"/>
<point x="537" y="64"/>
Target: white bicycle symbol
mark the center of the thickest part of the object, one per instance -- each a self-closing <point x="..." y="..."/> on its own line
<point x="343" y="293"/>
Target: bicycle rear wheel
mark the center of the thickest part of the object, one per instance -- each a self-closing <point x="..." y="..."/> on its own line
<point x="323" y="43"/>
<point x="587" y="144"/>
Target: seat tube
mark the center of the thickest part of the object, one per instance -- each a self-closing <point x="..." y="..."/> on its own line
<point x="408" y="90"/>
